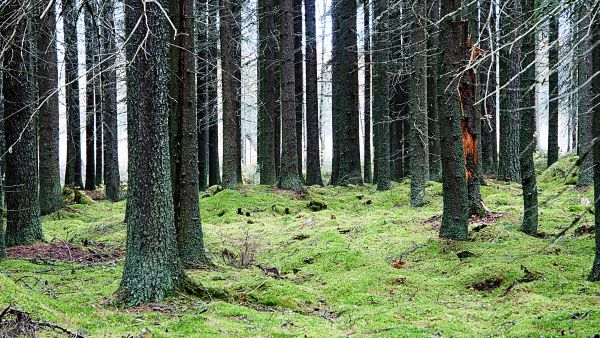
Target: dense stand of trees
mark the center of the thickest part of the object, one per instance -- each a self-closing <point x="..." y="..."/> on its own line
<point x="437" y="75"/>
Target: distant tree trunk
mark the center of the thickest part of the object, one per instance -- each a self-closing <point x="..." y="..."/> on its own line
<point x="298" y="81"/>
<point x="152" y="268"/>
<point x="452" y="36"/>
<point x="73" y="169"/>
<point x="50" y="185"/>
<point x="22" y="203"/>
<point x="553" y="89"/>
<point x="346" y="167"/>
<point x="381" y="93"/>
<point x="231" y="85"/>
<point x="267" y="81"/>
<point x="289" y="177"/>
<point x="202" y="32"/>
<point x="214" y="166"/>
<point x="367" y="109"/>
<point x="585" y="72"/>
<point x="419" y="131"/>
<point x="91" y="86"/>
<point x="595" y="274"/>
<point x="435" y="165"/>
<point x="2" y="149"/>
<point x="313" y="149"/>
<point x="487" y="80"/>
<point x="528" y="142"/>
<point x="112" y="178"/>
<point x="510" y="56"/>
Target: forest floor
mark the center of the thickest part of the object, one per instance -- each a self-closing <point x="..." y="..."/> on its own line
<point x="366" y="265"/>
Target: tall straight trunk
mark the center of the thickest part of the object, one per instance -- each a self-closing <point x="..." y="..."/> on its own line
<point x="313" y="148"/>
<point x="214" y="164"/>
<point x="190" y="239"/>
<point x="152" y="268"/>
<point x="91" y="86"/>
<point x="112" y="178"/>
<point x="510" y="56"/>
<point x="528" y="142"/>
<point x="47" y="68"/>
<point x="595" y="273"/>
<point x="585" y="72"/>
<point x="2" y="149"/>
<point x="487" y="81"/>
<point x="381" y="93"/>
<point x="452" y="37"/>
<point x="419" y="134"/>
<point x="298" y="81"/>
<point x="367" y="108"/>
<point x="289" y="177"/>
<point x="73" y="168"/>
<point x="346" y="167"/>
<point x="202" y="32"/>
<point x="230" y="11"/>
<point x="267" y="81"/>
<point x="433" y="41"/>
<point x="553" y="89"/>
<point x="22" y="202"/>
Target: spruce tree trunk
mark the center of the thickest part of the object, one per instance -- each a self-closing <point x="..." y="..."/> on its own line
<point x="433" y="70"/>
<point x="152" y="268"/>
<point x="202" y="32"/>
<point x="313" y="148"/>
<point x="112" y="178"/>
<point x="553" y="89"/>
<point x="510" y="67"/>
<point x="455" y="214"/>
<point x="381" y="96"/>
<point x="585" y="72"/>
<point x="214" y="163"/>
<point x="22" y="203"/>
<point x="367" y="163"/>
<point x="595" y="274"/>
<point x="73" y="169"/>
<point x="346" y="167"/>
<point x="231" y="86"/>
<point x="419" y="132"/>
<point x="2" y="149"/>
<point x="91" y="86"/>
<point x="298" y="82"/>
<point x="289" y="177"/>
<point x="527" y="129"/>
<point x="190" y="239"/>
<point x="487" y="80"/>
<point x="50" y="185"/>
<point x="267" y="81"/>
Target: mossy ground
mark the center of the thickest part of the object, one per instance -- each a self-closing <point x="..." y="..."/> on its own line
<point x="366" y="265"/>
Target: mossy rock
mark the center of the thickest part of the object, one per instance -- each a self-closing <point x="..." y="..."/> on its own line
<point x="566" y="170"/>
<point x="212" y="190"/>
<point x="80" y="197"/>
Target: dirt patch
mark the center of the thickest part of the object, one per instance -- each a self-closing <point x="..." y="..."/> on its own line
<point x="488" y="284"/>
<point x="481" y="221"/>
<point x="95" y="195"/>
<point x="17" y="323"/>
<point x="67" y="252"/>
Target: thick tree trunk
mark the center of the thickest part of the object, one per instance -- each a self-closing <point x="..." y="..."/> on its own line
<point x="112" y="178"/>
<point x="202" y="32"/>
<point x="152" y="268"/>
<point x="289" y="177"/>
<point x="313" y="148"/>
<point x="50" y="185"/>
<point x="585" y="72"/>
<point x="455" y="214"/>
<point x="22" y="203"/>
<point x="367" y="163"/>
<point x="345" y="116"/>
<point x="419" y="131"/>
<point x="381" y="93"/>
<point x="553" y="89"/>
<point x="595" y="274"/>
<point x="91" y="86"/>
<point x="230" y="12"/>
<point x="214" y="163"/>
<point x="73" y="168"/>
<point x="433" y="70"/>
<point x="298" y="82"/>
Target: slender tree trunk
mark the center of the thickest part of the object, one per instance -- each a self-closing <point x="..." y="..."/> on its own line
<point x="585" y="72"/>
<point x="381" y="90"/>
<point x="298" y="81"/>
<point x="152" y="268"/>
<point x="202" y="32"/>
<point x="2" y="149"/>
<point x="73" y="169"/>
<point x="22" y="203"/>
<point x="50" y="185"/>
<point x="112" y="178"/>
<point x="289" y="177"/>
<point x="214" y="166"/>
<point x="231" y="85"/>
<point x="452" y="36"/>
<point x="345" y="115"/>
<point x="487" y="80"/>
<point x="433" y="68"/>
<point x="91" y="86"/>
<point x="595" y="273"/>
<point x="553" y="88"/>
<point x="367" y="109"/>
<point x="313" y="148"/>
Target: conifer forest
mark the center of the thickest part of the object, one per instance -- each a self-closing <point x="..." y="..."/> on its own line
<point x="299" y="168"/>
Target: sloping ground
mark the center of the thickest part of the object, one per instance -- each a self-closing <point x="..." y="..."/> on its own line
<point x="368" y="264"/>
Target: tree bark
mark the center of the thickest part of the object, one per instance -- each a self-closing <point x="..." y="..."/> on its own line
<point x="553" y="89"/>
<point x="367" y="162"/>
<point x="585" y="72"/>
<point x="381" y="109"/>
<point x="214" y="163"/>
<point x="202" y="32"/>
<point x="91" y="86"/>
<point x="487" y="80"/>
<point x="433" y="68"/>
<point x="595" y="273"/>
<point x="298" y="82"/>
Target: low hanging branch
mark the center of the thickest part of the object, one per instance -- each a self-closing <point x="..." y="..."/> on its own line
<point x="24" y="324"/>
